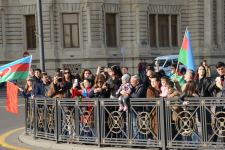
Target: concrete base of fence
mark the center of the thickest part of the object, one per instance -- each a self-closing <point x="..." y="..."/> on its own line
<point x="27" y="139"/>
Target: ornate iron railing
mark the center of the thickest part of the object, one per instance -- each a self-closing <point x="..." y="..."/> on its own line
<point x="195" y="123"/>
<point x="158" y="123"/>
<point x="45" y="116"/>
<point x="29" y="116"/>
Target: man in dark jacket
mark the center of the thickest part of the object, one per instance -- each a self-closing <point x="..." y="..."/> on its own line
<point x="139" y="90"/>
<point x="220" y="91"/>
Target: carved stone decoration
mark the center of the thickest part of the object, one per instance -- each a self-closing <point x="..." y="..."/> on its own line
<point x="74" y="68"/>
<point x="111" y="8"/>
<point x="164" y="9"/>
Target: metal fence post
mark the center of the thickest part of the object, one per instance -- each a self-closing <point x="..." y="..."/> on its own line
<point x="35" y="120"/>
<point x="56" y="121"/>
<point x="98" y="123"/>
<point x="26" y="101"/>
<point x="163" y="124"/>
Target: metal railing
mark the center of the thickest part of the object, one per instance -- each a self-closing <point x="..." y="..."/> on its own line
<point x="200" y="124"/>
<point x="157" y="123"/>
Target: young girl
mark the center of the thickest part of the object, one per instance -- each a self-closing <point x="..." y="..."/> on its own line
<point x="164" y="86"/>
<point x="124" y="91"/>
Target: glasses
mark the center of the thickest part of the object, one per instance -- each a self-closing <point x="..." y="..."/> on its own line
<point x="66" y="72"/>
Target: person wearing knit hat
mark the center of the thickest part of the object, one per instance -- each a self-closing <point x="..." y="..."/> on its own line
<point x="124" y="93"/>
<point x="126" y="77"/>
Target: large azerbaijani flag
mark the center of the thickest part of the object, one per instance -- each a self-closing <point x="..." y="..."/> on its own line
<point x="16" y="70"/>
<point x="186" y="54"/>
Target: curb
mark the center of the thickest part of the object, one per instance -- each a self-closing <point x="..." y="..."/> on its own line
<point x="47" y="144"/>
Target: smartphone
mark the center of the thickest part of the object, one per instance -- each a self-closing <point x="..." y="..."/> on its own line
<point x="75" y="82"/>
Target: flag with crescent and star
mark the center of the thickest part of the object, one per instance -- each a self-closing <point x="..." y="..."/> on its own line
<point x="16" y="70"/>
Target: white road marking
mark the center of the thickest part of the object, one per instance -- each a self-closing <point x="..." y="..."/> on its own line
<point x="21" y="105"/>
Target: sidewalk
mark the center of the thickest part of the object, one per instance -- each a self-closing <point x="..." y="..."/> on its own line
<point x="63" y="146"/>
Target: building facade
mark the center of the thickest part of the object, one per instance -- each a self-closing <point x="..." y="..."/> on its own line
<point x="88" y="33"/>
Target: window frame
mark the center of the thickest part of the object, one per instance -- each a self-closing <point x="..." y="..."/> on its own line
<point x="27" y="47"/>
<point x="70" y="28"/>
<point x="117" y="29"/>
<point x="170" y="44"/>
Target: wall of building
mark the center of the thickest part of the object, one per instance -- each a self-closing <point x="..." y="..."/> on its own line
<point x="205" y="20"/>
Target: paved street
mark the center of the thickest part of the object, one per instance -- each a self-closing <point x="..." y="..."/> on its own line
<point x="10" y="121"/>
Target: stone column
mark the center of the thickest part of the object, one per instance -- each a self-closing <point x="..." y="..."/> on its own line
<point x="220" y="24"/>
<point x="3" y="48"/>
<point x="95" y="48"/>
<point x="208" y="29"/>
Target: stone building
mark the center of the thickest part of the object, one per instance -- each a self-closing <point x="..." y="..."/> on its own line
<point x="87" y="33"/>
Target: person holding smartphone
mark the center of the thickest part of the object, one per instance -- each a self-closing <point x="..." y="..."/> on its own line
<point x="56" y="87"/>
<point x="75" y="90"/>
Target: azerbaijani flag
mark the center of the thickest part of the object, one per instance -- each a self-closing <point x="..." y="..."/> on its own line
<point x="16" y="70"/>
<point x="186" y="54"/>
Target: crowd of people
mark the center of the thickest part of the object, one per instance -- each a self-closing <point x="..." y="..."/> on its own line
<point x="118" y="83"/>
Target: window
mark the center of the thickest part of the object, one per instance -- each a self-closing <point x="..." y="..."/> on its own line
<point x="163" y="25"/>
<point x="111" y="36"/>
<point x="174" y="30"/>
<point x="30" y="31"/>
<point x="160" y="61"/>
<point x="160" y="27"/>
<point x="70" y="30"/>
<point x="152" y="30"/>
<point x="168" y="63"/>
<point x="175" y="61"/>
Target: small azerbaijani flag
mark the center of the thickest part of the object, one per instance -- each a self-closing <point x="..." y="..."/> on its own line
<point x="16" y="70"/>
<point x="186" y="54"/>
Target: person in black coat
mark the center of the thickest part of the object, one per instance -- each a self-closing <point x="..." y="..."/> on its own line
<point x="114" y="82"/>
<point x="99" y="89"/>
<point x="139" y="90"/>
<point x="204" y="84"/>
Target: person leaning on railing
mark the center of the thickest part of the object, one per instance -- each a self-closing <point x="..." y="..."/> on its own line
<point x="219" y="89"/>
<point x="138" y="90"/>
<point x="114" y="81"/>
<point x="174" y="95"/>
<point x="123" y="93"/>
<point x="153" y="91"/>
<point x="99" y="89"/>
<point x="55" y="89"/>
<point x="31" y="90"/>
<point x="205" y="87"/>
<point x="190" y="90"/>
<point x="67" y="82"/>
<point x="46" y="81"/>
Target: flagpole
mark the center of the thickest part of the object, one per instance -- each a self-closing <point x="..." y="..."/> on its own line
<point x="177" y="67"/>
